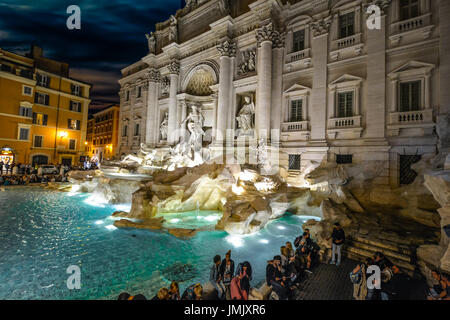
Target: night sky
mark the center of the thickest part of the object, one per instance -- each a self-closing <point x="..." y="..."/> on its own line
<point x="112" y="36"/>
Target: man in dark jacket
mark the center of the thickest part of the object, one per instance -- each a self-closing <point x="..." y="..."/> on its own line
<point x="338" y="237"/>
<point x="275" y="278"/>
<point x="227" y="272"/>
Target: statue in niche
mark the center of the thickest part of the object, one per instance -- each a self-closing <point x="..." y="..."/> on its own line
<point x="165" y="86"/>
<point x="151" y="41"/>
<point x="195" y="121"/>
<point x="249" y="62"/>
<point x="173" y="29"/>
<point x="164" y="128"/>
<point x="245" y="116"/>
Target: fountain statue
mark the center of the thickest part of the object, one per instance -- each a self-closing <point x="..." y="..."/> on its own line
<point x="164" y="127"/>
<point x="195" y="127"/>
<point x="245" y="117"/>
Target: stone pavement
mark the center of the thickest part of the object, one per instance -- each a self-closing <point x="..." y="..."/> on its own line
<point x="327" y="282"/>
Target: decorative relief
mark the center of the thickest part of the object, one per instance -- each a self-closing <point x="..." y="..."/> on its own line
<point x="174" y="67"/>
<point x="227" y="48"/>
<point x="321" y="26"/>
<point x="224" y="7"/>
<point x="153" y="75"/>
<point x="248" y="62"/>
<point x="278" y="40"/>
<point x="382" y="4"/>
<point x="173" y="29"/>
<point x="265" y="33"/>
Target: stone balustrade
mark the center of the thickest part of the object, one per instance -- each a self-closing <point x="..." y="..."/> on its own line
<point x="346" y="42"/>
<point x="350" y="122"/>
<point x="294" y="126"/>
<point x="297" y="56"/>
<point x="411" y="24"/>
<point x="412" y="117"/>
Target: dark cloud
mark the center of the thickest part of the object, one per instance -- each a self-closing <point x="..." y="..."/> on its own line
<point x="112" y="35"/>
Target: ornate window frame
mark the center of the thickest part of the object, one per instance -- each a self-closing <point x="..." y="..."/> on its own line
<point x="298" y="57"/>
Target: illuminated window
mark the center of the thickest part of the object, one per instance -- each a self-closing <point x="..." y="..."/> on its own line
<point x="38" y="141"/>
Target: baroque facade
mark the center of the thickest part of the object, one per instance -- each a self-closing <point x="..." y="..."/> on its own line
<point x="309" y="76"/>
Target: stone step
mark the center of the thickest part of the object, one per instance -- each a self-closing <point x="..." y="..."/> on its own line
<point x="387" y="252"/>
<point x="364" y="254"/>
<point x="386" y="244"/>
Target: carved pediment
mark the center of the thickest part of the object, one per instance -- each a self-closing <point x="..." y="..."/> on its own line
<point x="413" y="67"/>
<point x="296" y="88"/>
<point x="346" y="80"/>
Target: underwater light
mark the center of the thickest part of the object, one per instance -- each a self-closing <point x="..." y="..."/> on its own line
<point x="99" y="222"/>
<point x="111" y="227"/>
<point x="174" y="221"/>
<point x="281" y="227"/>
<point x="235" y="240"/>
<point x="265" y="241"/>
<point x="211" y="218"/>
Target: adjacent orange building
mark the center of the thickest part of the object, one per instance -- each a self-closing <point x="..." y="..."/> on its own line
<point x="103" y="134"/>
<point x="43" y="112"/>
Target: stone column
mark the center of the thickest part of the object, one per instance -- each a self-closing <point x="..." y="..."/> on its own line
<point x="277" y="82"/>
<point x="174" y="69"/>
<point x="318" y="116"/>
<point x="152" y="105"/>
<point x="182" y="117"/>
<point x="375" y="107"/>
<point x="443" y="120"/>
<point x="214" y="125"/>
<point x="264" y="36"/>
<point x="227" y="51"/>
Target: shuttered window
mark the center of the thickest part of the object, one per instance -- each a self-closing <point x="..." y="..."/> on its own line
<point x="410" y="96"/>
<point x="345" y="105"/>
<point x="296" y="112"/>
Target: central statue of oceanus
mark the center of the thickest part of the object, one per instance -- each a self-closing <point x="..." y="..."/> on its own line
<point x="195" y="121"/>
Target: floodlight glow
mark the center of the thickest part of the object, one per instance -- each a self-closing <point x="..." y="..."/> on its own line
<point x="281" y="227"/>
<point x="237" y="189"/>
<point x="265" y="241"/>
<point x="111" y="227"/>
<point x="99" y="222"/>
<point x="235" y="240"/>
<point x="175" y="220"/>
<point x="247" y="176"/>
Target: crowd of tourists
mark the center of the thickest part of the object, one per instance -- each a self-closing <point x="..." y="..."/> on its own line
<point x="231" y="282"/>
<point x="26" y="174"/>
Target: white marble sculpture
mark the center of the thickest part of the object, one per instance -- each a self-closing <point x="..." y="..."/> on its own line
<point x="164" y="127"/>
<point x="151" y="41"/>
<point x="245" y="116"/>
<point x="195" y="121"/>
<point x="173" y="29"/>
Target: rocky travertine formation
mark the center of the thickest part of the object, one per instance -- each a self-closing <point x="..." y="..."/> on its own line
<point x="438" y="256"/>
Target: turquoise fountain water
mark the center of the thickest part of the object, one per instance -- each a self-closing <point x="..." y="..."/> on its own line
<point x="43" y="233"/>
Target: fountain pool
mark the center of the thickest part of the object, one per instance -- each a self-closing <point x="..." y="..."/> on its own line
<point x="44" y="232"/>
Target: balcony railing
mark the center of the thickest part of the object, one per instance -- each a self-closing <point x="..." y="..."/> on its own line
<point x="411" y="24"/>
<point x="297" y="56"/>
<point x="294" y="126"/>
<point x="346" y="42"/>
<point x="342" y="123"/>
<point x="411" y="117"/>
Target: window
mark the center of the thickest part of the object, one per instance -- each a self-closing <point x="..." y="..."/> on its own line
<point x="127" y="97"/>
<point x="25" y="111"/>
<point x="75" y="90"/>
<point x="294" y="161"/>
<point x="296" y="111"/>
<point x="409" y="9"/>
<point x="136" y="129"/>
<point x="408" y="175"/>
<point x="40" y="119"/>
<point x="75" y="106"/>
<point x="139" y="92"/>
<point x="346" y="25"/>
<point x="73" y="124"/>
<point x="72" y="144"/>
<point x="345" y="105"/>
<point x="298" y="41"/>
<point x="41" y="98"/>
<point x="24" y="133"/>
<point x="344" y="158"/>
<point x="27" y="91"/>
<point x="38" y="141"/>
<point x="42" y="80"/>
<point x="410" y="96"/>
<point x="125" y="131"/>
